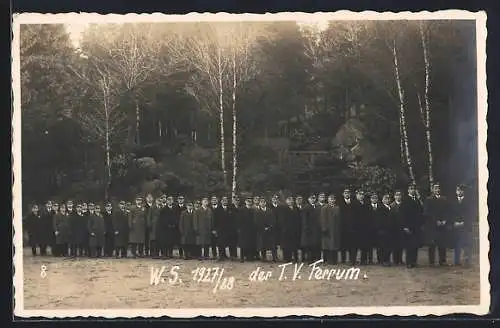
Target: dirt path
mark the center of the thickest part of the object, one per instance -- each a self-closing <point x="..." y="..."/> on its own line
<point x="126" y="283"/>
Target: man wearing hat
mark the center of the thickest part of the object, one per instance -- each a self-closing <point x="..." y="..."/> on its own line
<point x="276" y="209"/>
<point x="109" y="231"/>
<point x="411" y="210"/>
<point x="121" y="230"/>
<point x="148" y="213"/>
<point x="437" y="225"/>
<point x="360" y="229"/>
<point x="347" y="227"/>
<point x="235" y="219"/>
<point x="462" y="216"/>
<point x="186" y="229"/>
<point x="398" y="231"/>
<point x="203" y="227"/>
<point x="223" y="225"/>
<point x="137" y="227"/>
<point x="290" y="231"/>
<point x="246" y="232"/>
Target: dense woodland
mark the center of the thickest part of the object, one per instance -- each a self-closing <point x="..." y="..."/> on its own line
<point x="203" y="108"/>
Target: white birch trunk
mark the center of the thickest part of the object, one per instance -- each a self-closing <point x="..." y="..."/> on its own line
<point x="235" y="132"/>
<point x="427" y="122"/>
<point x="221" y="117"/>
<point x="402" y="113"/>
<point x="107" y="146"/>
<point x="137" y="123"/>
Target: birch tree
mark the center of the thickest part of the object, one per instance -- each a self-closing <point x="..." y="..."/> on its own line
<point x="403" y="127"/>
<point x="425" y="114"/>
<point x="208" y="55"/>
<point x="134" y="51"/>
<point x="243" y="69"/>
<point x="104" y="122"/>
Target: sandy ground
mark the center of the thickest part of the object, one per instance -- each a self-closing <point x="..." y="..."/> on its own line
<point x="126" y="283"/>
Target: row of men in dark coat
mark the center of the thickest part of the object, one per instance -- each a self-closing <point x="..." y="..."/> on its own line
<point x="321" y="228"/>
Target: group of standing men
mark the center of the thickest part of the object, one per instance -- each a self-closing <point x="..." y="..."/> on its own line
<point x="322" y="227"/>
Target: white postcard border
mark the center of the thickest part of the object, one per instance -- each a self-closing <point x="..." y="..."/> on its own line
<point x="86" y="18"/>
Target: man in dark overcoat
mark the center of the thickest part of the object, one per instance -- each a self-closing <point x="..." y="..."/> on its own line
<point x="413" y="220"/>
<point x="290" y="231"/>
<point x="109" y="231"/>
<point x="462" y="217"/>
<point x="246" y="231"/>
<point x="121" y="230"/>
<point x="203" y="223"/>
<point x="330" y="223"/>
<point x="276" y="208"/>
<point x="46" y="228"/>
<point x="32" y="226"/>
<point x="310" y="231"/>
<point x="397" y="254"/>
<point x="148" y="214"/>
<point x="96" y="230"/>
<point x="361" y="234"/>
<point x="265" y="234"/>
<point x="137" y="227"/>
<point x="224" y="226"/>
<point x="186" y="229"/>
<point x="438" y="225"/>
<point x="347" y="225"/>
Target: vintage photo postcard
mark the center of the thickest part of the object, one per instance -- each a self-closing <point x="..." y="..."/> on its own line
<point x="250" y="165"/>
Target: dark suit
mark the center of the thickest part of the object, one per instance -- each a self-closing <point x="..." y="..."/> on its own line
<point x="362" y="233"/>
<point x="223" y="224"/>
<point x="347" y="228"/>
<point x="462" y="217"/>
<point x="437" y="236"/>
<point x="290" y="234"/>
<point x="383" y="223"/>
<point x="109" y="233"/>
<point x="246" y="233"/>
<point x="397" y="254"/>
<point x="411" y="210"/>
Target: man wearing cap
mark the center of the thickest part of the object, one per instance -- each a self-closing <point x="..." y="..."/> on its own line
<point x="360" y="230"/>
<point x="223" y="225"/>
<point x="235" y="209"/>
<point x="163" y="227"/>
<point x="153" y="239"/>
<point x="109" y="231"/>
<point x="310" y="231"/>
<point x="214" y="203"/>
<point x="181" y="207"/>
<point x="290" y="231"/>
<point x="265" y="222"/>
<point x="437" y="225"/>
<point x="203" y="225"/>
<point x="398" y="227"/>
<point x="246" y="232"/>
<point x="148" y="216"/>
<point x="32" y="224"/>
<point x="413" y="220"/>
<point x="462" y="216"/>
<point x="137" y="227"/>
<point x="121" y="230"/>
<point x="79" y="231"/>
<point x="86" y="214"/>
<point x="276" y="209"/>
<point x="347" y="226"/>
<point x="71" y="228"/>
<point x="330" y="230"/>
<point x="186" y="229"/>
<point x="96" y="230"/>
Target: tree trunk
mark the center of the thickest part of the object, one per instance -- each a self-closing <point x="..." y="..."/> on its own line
<point x="235" y="130"/>
<point x="402" y="113"/>
<point x="221" y="119"/>
<point x="108" y="151"/>
<point x="160" y="135"/>
<point x="137" y="123"/>
<point x="427" y="122"/>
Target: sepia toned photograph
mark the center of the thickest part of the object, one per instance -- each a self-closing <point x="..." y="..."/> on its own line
<point x="250" y="165"/>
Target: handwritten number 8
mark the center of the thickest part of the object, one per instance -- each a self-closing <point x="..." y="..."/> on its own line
<point x="43" y="271"/>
